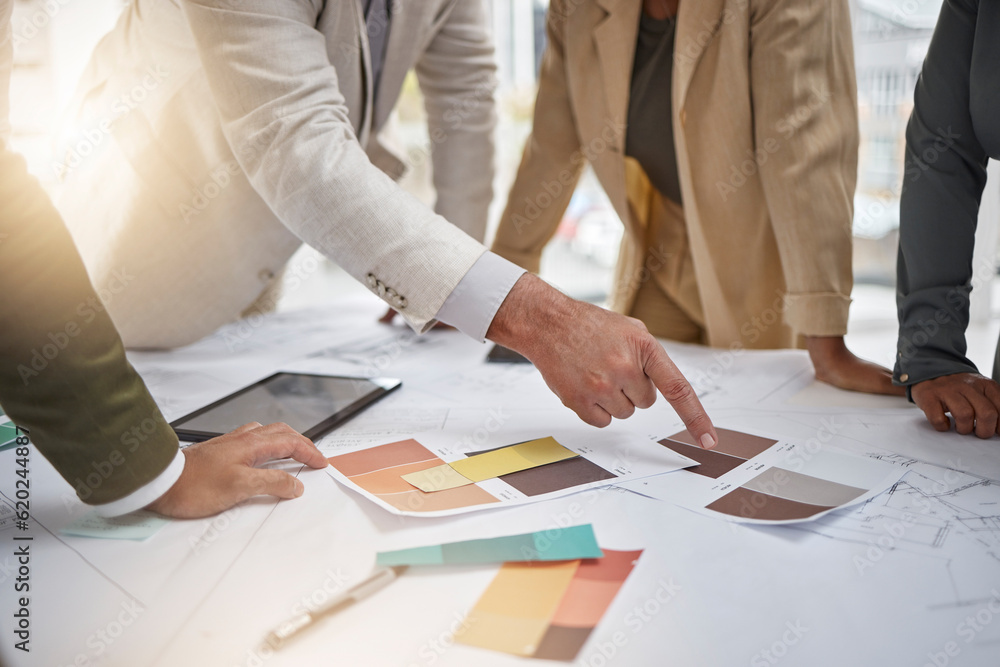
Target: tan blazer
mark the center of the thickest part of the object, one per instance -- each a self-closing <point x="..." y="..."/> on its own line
<point x="766" y="130"/>
<point x="212" y="139"/>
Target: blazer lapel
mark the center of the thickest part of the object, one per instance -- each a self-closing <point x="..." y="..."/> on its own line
<point x="366" y="71"/>
<point x="697" y="23"/>
<point x="615" y="38"/>
<point x="405" y="33"/>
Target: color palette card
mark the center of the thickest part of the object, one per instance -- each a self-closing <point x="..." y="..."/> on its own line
<point x="489" y="464"/>
<point x="556" y="544"/>
<point x="755" y="479"/>
<point x="138" y="526"/>
<point x="559" y="465"/>
<point x="8" y="434"/>
<point x="546" y="610"/>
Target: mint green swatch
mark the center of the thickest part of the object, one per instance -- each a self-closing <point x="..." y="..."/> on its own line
<point x="547" y="545"/>
<point x="138" y="525"/>
<point x="8" y="435"/>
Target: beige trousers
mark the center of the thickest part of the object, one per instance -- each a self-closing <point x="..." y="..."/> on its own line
<point x="667" y="302"/>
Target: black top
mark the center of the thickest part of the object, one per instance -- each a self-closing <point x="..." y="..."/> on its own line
<point x="650" y="135"/>
<point x="954" y="128"/>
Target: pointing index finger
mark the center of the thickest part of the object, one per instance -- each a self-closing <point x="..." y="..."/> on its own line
<point x="680" y="394"/>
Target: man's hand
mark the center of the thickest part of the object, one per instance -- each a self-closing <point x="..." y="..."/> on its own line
<point x="837" y="365"/>
<point x="221" y="472"/>
<point x="600" y="364"/>
<point x="972" y="400"/>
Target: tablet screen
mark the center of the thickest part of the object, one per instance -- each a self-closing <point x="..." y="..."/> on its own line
<point x="310" y="404"/>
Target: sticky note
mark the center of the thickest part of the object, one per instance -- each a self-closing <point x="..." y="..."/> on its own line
<point x="135" y="526"/>
<point x="438" y="478"/>
<point x="569" y="543"/>
<point x="490" y="464"/>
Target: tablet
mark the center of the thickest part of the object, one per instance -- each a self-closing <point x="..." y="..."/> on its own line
<point x="311" y="404"/>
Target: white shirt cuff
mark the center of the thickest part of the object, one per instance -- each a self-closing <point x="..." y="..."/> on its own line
<point x="145" y="494"/>
<point x="470" y="308"/>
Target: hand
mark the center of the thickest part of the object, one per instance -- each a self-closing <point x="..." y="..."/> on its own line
<point x="221" y="472"/>
<point x="972" y="400"/>
<point x="837" y="365"/>
<point x="390" y="315"/>
<point x="600" y="364"/>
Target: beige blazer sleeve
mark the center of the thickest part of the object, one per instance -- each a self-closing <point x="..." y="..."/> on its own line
<point x="805" y="95"/>
<point x="551" y="163"/>
<point x="457" y="75"/>
<point x="277" y="96"/>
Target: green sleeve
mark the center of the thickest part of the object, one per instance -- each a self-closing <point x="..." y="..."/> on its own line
<point x="63" y="371"/>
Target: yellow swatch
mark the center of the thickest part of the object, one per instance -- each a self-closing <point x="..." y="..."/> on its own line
<point x="515" y="611"/>
<point x="488" y="465"/>
<point x="511" y="459"/>
<point x="438" y="478"/>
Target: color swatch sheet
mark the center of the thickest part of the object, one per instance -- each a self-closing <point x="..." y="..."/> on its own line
<point x="546" y="610"/>
<point x="599" y="459"/>
<point x="570" y="543"/>
<point x="755" y="479"/>
<point x="489" y="464"/>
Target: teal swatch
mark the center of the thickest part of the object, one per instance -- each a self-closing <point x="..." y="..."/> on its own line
<point x="8" y="436"/>
<point x="138" y="525"/>
<point x="555" y="544"/>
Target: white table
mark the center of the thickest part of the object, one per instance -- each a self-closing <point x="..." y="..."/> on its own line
<point x="864" y="587"/>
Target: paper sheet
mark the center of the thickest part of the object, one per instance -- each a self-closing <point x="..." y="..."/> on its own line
<point x="570" y="543"/>
<point x="821" y="395"/>
<point x="601" y="458"/>
<point x="754" y="479"/>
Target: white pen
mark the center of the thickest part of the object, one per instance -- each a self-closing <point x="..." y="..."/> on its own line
<point x="378" y="580"/>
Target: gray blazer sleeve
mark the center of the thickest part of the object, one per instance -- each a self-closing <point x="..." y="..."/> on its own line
<point x="457" y="74"/>
<point x="944" y="179"/>
<point x="276" y="90"/>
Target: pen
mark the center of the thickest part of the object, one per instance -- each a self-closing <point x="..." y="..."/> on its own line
<point x="378" y="580"/>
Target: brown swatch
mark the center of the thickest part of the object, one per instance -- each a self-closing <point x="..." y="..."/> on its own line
<point x="734" y="443"/>
<point x="559" y="643"/>
<point x="748" y="504"/>
<point x="710" y="463"/>
<point x="557" y="476"/>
